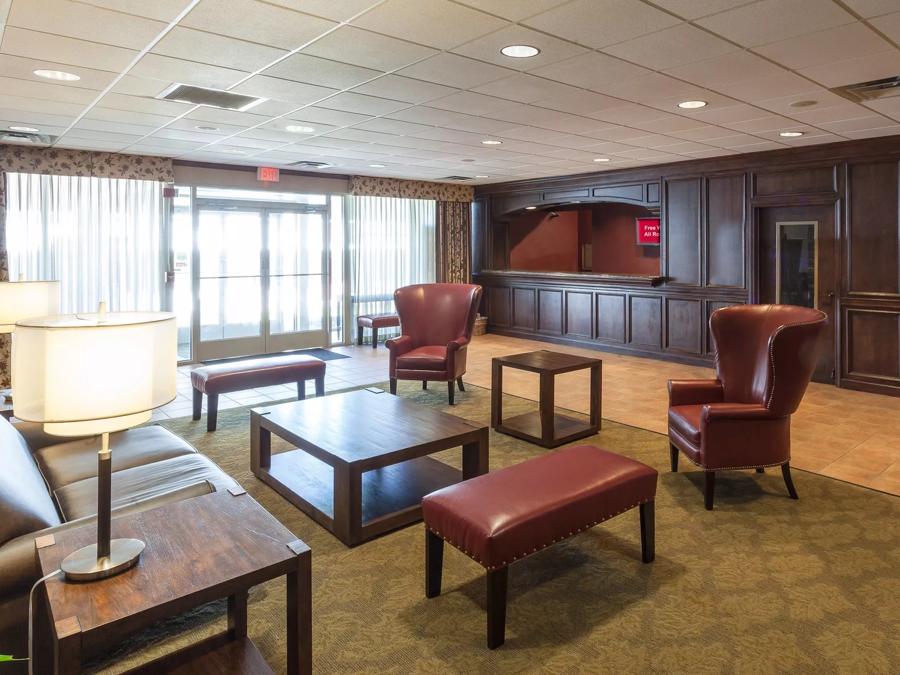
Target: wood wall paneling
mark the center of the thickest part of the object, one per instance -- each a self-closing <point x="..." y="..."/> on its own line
<point x="872" y="337"/>
<point x="499" y="241"/>
<point x="499" y="306"/>
<point x="726" y="231"/>
<point x="524" y="307"/>
<point x="479" y="234"/>
<point x="611" y="317"/>
<point x="646" y="321"/>
<point x="562" y="195"/>
<point x="550" y="311"/>
<point x="628" y="193"/>
<point x="873" y="230"/>
<point x="801" y="180"/>
<point x="579" y="314"/>
<point x="683" y="325"/>
<point x="653" y="193"/>
<point x="681" y="231"/>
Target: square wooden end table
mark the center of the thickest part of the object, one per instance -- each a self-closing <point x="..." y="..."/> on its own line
<point x="198" y="550"/>
<point x="361" y="464"/>
<point x="545" y="427"/>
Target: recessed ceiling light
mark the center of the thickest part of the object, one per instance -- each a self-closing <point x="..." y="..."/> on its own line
<point x="377" y="166"/>
<point x="57" y="75"/>
<point x="530" y="208"/>
<point x="601" y="159"/>
<point x="520" y="51"/>
<point x="803" y="104"/>
<point x="467" y="160"/>
<point x="791" y="134"/>
<point x="204" y="127"/>
<point x="27" y="130"/>
<point x="690" y="105"/>
<point x="490" y="141"/>
<point x="482" y="176"/>
<point x="299" y="129"/>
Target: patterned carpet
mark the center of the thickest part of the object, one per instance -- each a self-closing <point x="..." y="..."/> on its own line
<point x="762" y="584"/>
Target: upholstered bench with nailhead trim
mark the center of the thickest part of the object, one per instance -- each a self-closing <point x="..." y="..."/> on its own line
<point x="374" y="321"/>
<point x="503" y="516"/>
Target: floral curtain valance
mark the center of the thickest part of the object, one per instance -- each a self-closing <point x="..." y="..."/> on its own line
<point x="373" y="186"/>
<point x="59" y="162"/>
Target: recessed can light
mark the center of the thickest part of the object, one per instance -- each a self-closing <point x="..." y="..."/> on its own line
<point x="491" y="141"/>
<point x="205" y="127"/>
<point x="520" y="51"/>
<point x="299" y="129"/>
<point x="376" y="166"/>
<point x="530" y="208"/>
<point x="57" y="75"/>
<point x="803" y="104"/>
<point x="690" y="105"/>
<point x="482" y="176"/>
<point x="601" y="159"/>
<point x="467" y="160"/>
<point x="791" y="134"/>
<point x="27" y="130"/>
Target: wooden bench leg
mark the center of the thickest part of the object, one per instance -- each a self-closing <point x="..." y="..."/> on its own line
<point x="212" y="411"/>
<point x="359" y="335"/>
<point x="434" y="563"/>
<point x="648" y="531"/>
<point x="451" y="391"/>
<point x="709" y="489"/>
<point x="301" y="390"/>
<point x="496" y="606"/>
<point x="320" y="385"/>
<point x="374" y="338"/>
<point x="673" y="457"/>
<point x="424" y="384"/>
<point x="459" y="383"/>
<point x="198" y="404"/>
<point x="394" y="386"/>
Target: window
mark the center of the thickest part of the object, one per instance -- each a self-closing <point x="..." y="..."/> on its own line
<point x="100" y="237"/>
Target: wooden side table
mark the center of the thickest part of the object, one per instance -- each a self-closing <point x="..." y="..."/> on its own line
<point x="545" y="427"/>
<point x="198" y="550"/>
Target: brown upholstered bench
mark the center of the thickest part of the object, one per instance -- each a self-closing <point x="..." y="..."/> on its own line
<point x="222" y="378"/>
<point x="374" y="321"/>
<point x="503" y="516"/>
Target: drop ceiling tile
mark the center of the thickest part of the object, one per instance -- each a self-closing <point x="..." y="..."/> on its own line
<point x="889" y="24"/>
<point x="851" y="71"/>
<point x="84" y="22"/>
<point x="37" y="106"/>
<point x="109" y="130"/>
<point x="319" y="115"/>
<point x="361" y="135"/>
<point x="76" y="143"/>
<point x="784" y="105"/>
<point x="630" y="113"/>
<point x="525" y="88"/>
<point x="323" y="72"/>
<point x="886" y="106"/>
<point x="488" y="48"/>
<point x="769" y="21"/>
<point x="35" y="119"/>
<point x="168" y="69"/>
<point x="855" y="39"/>
<point x="782" y="84"/>
<point x="694" y="9"/>
<point x="598" y="23"/>
<point x="857" y="124"/>
<point x="194" y="45"/>
<point x="404" y="89"/>
<point x="217" y="130"/>
<point x="275" y="131"/>
<point x="734" y="141"/>
<point x="369" y="50"/>
<point x="359" y="103"/>
<point x="732" y="67"/>
<point x="386" y="125"/>
<point x="287" y="91"/>
<point x="259" y="22"/>
<point x="688" y="148"/>
<point x="829" y="113"/>
<point x="23" y="68"/>
<point x="65" y="51"/>
<point x="870" y="8"/>
<point x="874" y="133"/>
<point x="470" y="102"/>
<point x="127" y="116"/>
<point x="671" y="47"/>
<point x="707" y="134"/>
<point x="144" y="104"/>
<point x="579" y="102"/>
<point x="766" y="123"/>
<point x="455" y="71"/>
<point x="669" y="124"/>
<point x="659" y="91"/>
<point x="250" y="142"/>
<point x="154" y="141"/>
<point x="591" y="70"/>
<point x="44" y="90"/>
<point x="436" y="23"/>
<point x="161" y="10"/>
<point x="232" y="117"/>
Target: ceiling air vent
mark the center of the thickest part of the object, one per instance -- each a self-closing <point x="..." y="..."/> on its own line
<point x="456" y="178"/>
<point x="308" y="164"/>
<point x="214" y="98"/>
<point x="869" y="91"/>
<point x="25" y="138"/>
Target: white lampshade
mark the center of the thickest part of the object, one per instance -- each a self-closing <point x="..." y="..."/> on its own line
<point x="26" y="299"/>
<point x="80" y="375"/>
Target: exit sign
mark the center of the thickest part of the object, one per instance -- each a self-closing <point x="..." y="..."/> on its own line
<point x="268" y="174"/>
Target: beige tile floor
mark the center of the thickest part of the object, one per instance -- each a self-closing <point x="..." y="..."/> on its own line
<point x="848" y="435"/>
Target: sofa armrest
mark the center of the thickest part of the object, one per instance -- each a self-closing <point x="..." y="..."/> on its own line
<point x="399" y="345"/>
<point x="457" y="344"/>
<point x="19" y="567"/>
<point x="695" y="392"/>
<point x="719" y="412"/>
<point x="37" y="438"/>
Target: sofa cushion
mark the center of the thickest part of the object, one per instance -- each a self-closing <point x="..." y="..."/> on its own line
<point x="423" y="358"/>
<point x="73" y="461"/>
<point x="25" y="502"/>
<point x="137" y="483"/>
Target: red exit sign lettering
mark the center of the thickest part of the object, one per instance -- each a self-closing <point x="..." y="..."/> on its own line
<point x="268" y="174"/>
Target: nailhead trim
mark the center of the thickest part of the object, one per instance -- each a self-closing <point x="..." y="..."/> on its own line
<point x="536" y="548"/>
<point x="735" y="468"/>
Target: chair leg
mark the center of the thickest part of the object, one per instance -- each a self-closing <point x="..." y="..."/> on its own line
<point x="451" y="391"/>
<point x="212" y="411"/>
<point x="648" y="531"/>
<point x="320" y="386"/>
<point x="198" y="404"/>
<point x="424" y="384"/>
<point x="760" y="470"/>
<point x="496" y="606"/>
<point x="394" y="385"/>
<point x="434" y="563"/>
<point x="709" y="489"/>
<point x="786" y="472"/>
<point x="460" y="384"/>
<point x="374" y="338"/>
<point x="301" y="390"/>
<point x="359" y="335"/>
<point x="673" y="457"/>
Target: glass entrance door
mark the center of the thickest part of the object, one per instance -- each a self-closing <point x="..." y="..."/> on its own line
<point x="260" y="279"/>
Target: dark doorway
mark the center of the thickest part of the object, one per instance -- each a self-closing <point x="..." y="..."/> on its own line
<point x="796" y="266"/>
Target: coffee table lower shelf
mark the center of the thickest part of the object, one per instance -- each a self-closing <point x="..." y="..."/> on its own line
<point x="528" y="427"/>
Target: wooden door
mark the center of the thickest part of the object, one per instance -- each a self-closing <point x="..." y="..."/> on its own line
<point x="797" y="266"/>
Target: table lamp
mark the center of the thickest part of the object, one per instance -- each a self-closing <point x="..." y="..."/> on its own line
<point x="23" y="299"/>
<point x="92" y="374"/>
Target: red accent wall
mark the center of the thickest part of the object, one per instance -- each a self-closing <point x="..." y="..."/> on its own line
<point x="540" y="243"/>
<point x="614" y="246"/>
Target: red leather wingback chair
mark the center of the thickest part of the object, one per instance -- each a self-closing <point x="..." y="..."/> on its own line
<point x="436" y="322"/>
<point x="765" y="356"/>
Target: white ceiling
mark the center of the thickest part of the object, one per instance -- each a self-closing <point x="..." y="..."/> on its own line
<point x="416" y="85"/>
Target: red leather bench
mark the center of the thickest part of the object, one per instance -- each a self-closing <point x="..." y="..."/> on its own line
<point x="221" y="378"/>
<point x="506" y="515"/>
<point x="374" y="321"/>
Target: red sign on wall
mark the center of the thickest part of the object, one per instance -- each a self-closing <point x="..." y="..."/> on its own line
<point x="268" y="174"/>
<point x="647" y="231"/>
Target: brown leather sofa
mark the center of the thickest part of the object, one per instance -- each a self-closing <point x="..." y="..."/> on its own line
<point x="47" y="486"/>
<point x="764" y="356"/>
<point x="436" y="321"/>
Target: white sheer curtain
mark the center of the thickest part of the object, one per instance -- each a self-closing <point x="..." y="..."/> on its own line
<point x="392" y="244"/>
<point x="100" y="237"/>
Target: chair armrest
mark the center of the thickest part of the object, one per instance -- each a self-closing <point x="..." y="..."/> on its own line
<point x="457" y="344"/>
<point x="695" y="392"/>
<point x="719" y="412"/>
<point x="399" y="345"/>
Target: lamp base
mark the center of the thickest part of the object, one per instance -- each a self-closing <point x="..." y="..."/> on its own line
<point x="84" y="565"/>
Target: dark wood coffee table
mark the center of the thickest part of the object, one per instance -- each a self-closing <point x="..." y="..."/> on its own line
<point x="361" y="466"/>
<point x="545" y="427"/>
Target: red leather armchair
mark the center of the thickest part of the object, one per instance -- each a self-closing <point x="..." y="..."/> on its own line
<point x="436" y="322"/>
<point x="764" y="356"/>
